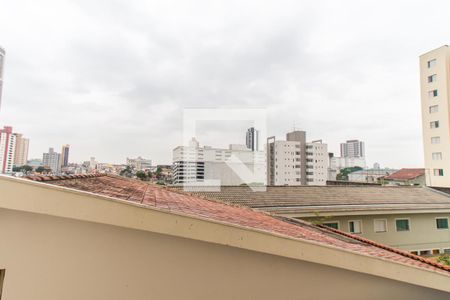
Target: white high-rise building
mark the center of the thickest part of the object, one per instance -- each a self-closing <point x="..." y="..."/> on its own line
<point x="7" y="149"/>
<point x="435" y="98"/>
<point x="353" y="148"/>
<point x="216" y="166"/>
<point x="51" y="159"/>
<point x="296" y="162"/>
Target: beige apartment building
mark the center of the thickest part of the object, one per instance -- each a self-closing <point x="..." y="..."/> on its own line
<point x="106" y="237"/>
<point x="434" y="83"/>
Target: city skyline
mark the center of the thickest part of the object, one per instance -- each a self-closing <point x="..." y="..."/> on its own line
<point x="273" y="59"/>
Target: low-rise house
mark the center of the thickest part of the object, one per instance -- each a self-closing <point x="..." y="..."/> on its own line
<point x="369" y="175"/>
<point x="103" y="237"/>
<point x="415" y="219"/>
<point x="406" y="177"/>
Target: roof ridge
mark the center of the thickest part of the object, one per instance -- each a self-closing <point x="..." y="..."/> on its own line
<point x="62" y="177"/>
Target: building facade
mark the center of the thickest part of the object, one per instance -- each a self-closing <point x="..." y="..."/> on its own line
<point x="252" y="139"/>
<point x="51" y="159"/>
<point x="435" y="99"/>
<point x="206" y="165"/>
<point x="139" y="163"/>
<point x="296" y="162"/>
<point x="21" y="153"/>
<point x="65" y="155"/>
<point x="353" y="148"/>
<point x="7" y="149"/>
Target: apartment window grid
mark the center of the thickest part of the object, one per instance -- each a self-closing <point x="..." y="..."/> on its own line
<point x="436" y="140"/>
<point x="432" y="78"/>
<point x="431" y="63"/>
<point x="433" y="94"/>
<point x="436" y="155"/>
<point x="438" y="172"/>
<point x="434" y="124"/>
<point x="433" y="109"/>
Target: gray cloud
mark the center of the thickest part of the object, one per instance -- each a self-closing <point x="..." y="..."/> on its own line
<point x="112" y="78"/>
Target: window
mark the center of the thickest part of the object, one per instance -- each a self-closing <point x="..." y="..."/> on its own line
<point x="431" y="63"/>
<point x="442" y="223"/>
<point x="433" y="109"/>
<point x="436" y="155"/>
<point x="380" y="225"/>
<point x="425" y="252"/>
<point x="434" y="124"/>
<point x="433" y="93"/>
<point x="432" y="78"/>
<point x="354" y="226"/>
<point x="436" y="251"/>
<point x="436" y="140"/>
<point x="402" y="224"/>
<point x="438" y="172"/>
<point x="415" y="252"/>
<point x="446" y="250"/>
<point x="334" y="225"/>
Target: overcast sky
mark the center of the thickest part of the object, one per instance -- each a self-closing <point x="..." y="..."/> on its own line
<point x="111" y="78"/>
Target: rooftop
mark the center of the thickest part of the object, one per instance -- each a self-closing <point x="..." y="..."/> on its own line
<point x="314" y="199"/>
<point x="178" y="202"/>
<point x="406" y="174"/>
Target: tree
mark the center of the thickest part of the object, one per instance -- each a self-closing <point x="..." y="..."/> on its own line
<point x="343" y="174"/>
<point x="127" y="172"/>
<point x="141" y="175"/>
<point x="26" y="168"/>
<point x="444" y="259"/>
<point x="42" y="169"/>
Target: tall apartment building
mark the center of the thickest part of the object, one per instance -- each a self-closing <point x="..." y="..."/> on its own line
<point x="217" y="166"/>
<point x="51" y="159"/>
<point x="435" y="98"/>
<point x="296" y="162"/>
<point x="65" y="156"/>
<point x="2" y="63"/>
<point x="252" y="139"/>
<point x="7" y="149"/>
<point x="21" y="153"/>
<point x="353" y="148"/>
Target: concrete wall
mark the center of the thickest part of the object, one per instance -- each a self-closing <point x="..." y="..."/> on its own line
<point x="49" y="257"/>
<point x="423" y="234"/>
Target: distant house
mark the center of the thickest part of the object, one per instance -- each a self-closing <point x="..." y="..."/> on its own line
<point x="407" y="177"/>
<point x="106" y="237"/>
<point x="369" y="175"/>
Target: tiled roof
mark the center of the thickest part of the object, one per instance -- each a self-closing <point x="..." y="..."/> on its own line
<point x="301" y="199"/>
<point x="195" y="206"/>
<point x="406" y="174"/>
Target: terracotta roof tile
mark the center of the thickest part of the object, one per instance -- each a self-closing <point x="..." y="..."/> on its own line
<point x="175" y="201"/>
<point x="406" y="174"/>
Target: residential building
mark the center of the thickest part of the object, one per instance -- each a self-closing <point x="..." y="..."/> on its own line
<point x="338" y="163"/>
<point x="369" y="175"/>
<point x="435" y="98"/>
<point x="415" y="219"/>
<point x="7" y="149"/>
<point x="252" y="139"/>
<point x="217" y="166"/>
<point x="407" y="177"/>
<point x="21" y="153"/>
<point x="65" y="155"/>
<point x="139" y="163"/>
<point x="51" y="159"/>
<point x="2" y="63"/>
<point x="353" y="148"/>
<point x="296" y="162"/>
<point x="94" y="231"/>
